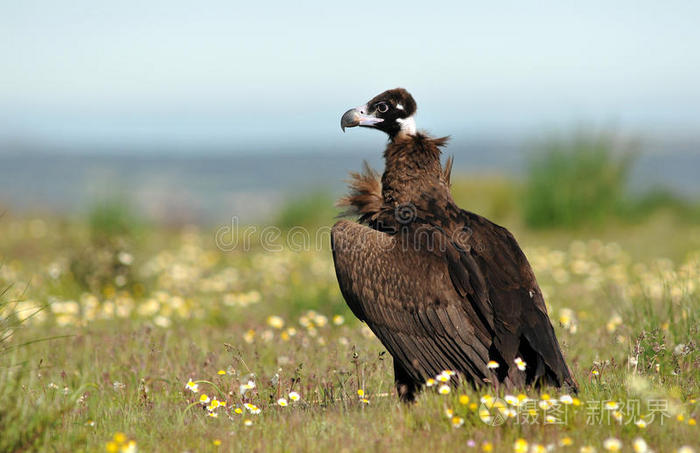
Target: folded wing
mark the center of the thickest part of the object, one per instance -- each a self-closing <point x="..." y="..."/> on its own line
<point x="469" y="299"/>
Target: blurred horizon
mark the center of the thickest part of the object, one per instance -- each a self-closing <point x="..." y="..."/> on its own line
<point x="214" y="187"/>
<point x="181" y="76"/>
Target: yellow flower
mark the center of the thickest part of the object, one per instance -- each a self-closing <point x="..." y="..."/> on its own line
<point x="443" y="377"/>
<point x="485" y="416"/>
<point x="639" y="445"/>
<point x="282" y="402"/>
<point x="487" y="400"/>
<point x="576" y="402"/>
<point x="520" y="446"/>
<point x="473" y="406"/>
<point x="566" y="441"/>
<point x="641" y="423"/>
<point x="338" y="320"/>
<point x="252" y="408"/>
<point x="685" y="449"/>
<point x="204" y="399"/>
<point x="566" y="399"/>
<point x="294" y="396"/>
<point x="457" y="422"/>
<point x="545" y="397"/>
<point x="487" y="447"/>
<point x="612" y="444"/>
<point x="129" y="447"/>
<point x="248" y="422"/>
<point x="680" y="417"/>
<point x="238" y="410"/>
<point x="617" y="415"/>
<point x="615" y="321"/>
<point x="565" y="316"/>
<point x="360" y="393"/>
<point x="587" y="449"/>
<point x="512" y="400"/>
<point x="430" y="382"/>
<point x="449" y="413"/>
<point x="611" y="405"/>
<point x="492" y="365"/>
<point x="119" y="443"/>
<point x="444" y="389"/>
<point x="119" y="437"/>
<point x="215" y="404"/>
<point x="216" y="442"/>
<point x="364" y="401"/>
<point x="213" y="414"/>
<point x="320" y="320"/>
<point x="692" y="422"/>
<point x="243" y="389"/>
<point x="520" y="363"/>
<point x="463" y="400"/>
<point x="538" y="448"/>
<point x="221" y="373"/>
<point x="275" y="322"/>
<point x="192" y="386"/>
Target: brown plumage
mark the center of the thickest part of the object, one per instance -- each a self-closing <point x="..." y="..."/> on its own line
<point x="365" y="198"/>
<point x="441" y="287"/>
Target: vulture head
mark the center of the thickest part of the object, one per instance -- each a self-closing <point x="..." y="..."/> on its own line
<point x="391" y="111"/>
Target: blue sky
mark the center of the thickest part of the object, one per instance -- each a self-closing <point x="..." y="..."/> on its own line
<point x="234" y="73"/>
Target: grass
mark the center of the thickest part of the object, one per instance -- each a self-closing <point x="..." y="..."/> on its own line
<point x="312" y="209"/>
<point x="169" y="307"/>
<point x="579" y="181"/>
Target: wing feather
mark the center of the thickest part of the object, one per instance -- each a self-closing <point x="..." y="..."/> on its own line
<point x="476" y="301"/>
<point x="406" y="299"/>
<point x="506" y="295"/>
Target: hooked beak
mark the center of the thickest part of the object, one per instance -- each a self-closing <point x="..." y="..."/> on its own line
<point x="358" y="117"/>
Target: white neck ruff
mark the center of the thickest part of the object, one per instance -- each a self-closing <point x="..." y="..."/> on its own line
<point x="408" y="125"/>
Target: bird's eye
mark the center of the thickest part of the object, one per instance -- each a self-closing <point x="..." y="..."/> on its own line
<point x="382" y="107"/>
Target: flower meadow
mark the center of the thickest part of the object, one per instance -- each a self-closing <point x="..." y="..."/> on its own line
<point x="157" y="340"/>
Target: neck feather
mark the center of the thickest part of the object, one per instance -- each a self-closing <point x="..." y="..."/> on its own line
<point x="407" y="125"/>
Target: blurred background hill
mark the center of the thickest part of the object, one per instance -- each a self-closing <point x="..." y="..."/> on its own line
<point x="210" y="187"/>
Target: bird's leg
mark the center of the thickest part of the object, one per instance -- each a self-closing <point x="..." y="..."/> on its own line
<point x="405" y="386"/>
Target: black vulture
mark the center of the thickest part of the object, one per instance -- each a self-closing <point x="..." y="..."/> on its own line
<point x="441" y="287"/>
